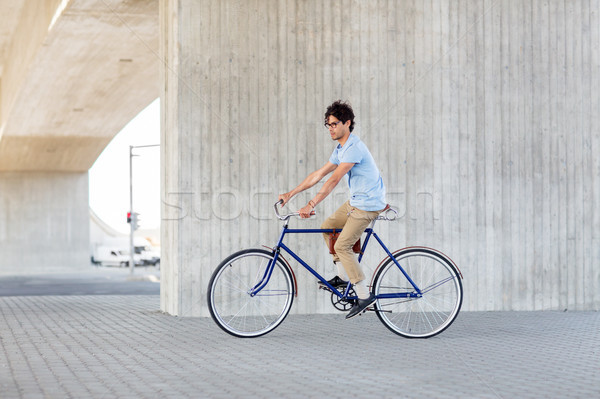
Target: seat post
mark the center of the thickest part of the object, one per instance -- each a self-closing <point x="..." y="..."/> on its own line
<point x="373" y="223"/>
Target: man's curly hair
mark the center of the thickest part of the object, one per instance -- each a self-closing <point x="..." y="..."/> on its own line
<point x="342" y="111"/>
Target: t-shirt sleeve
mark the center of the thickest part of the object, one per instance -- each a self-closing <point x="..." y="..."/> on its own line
<point x="351" y="155"/>
<point x="334" y="158"/>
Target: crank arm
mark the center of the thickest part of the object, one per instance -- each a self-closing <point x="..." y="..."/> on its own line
<point x="379" y="310"/>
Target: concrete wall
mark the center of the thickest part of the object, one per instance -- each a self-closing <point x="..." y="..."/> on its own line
<point x="482" y="116"/>
<point x="44" y="220"/>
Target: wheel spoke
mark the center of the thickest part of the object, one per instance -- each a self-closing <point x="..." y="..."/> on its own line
<point x="439" y="283"/>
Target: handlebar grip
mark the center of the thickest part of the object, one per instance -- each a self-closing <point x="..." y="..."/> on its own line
<point x="276" y="209"/>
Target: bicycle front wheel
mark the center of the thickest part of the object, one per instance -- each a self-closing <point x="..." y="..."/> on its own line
<point x="441" y="289"/>
<point x="232" y="306"/>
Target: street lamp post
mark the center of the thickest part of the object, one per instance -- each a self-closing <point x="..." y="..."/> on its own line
<point x="133" y="216"/>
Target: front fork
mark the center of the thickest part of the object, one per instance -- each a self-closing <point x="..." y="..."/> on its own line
<point x="266" y="275"/>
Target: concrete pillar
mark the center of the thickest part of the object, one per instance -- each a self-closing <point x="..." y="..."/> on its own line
<point x="480" y="115"/>
<point x="44" y="222"/>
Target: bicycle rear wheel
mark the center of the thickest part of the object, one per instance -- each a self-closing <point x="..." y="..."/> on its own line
<point x="440" y="285"/>
<point x="230" y="303"/>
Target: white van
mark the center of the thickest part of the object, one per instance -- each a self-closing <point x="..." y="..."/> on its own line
<point x="113" y="256"/>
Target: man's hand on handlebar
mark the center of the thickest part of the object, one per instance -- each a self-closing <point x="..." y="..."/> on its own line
<point x="284" y="198"/>
<point x="306" y="212"/>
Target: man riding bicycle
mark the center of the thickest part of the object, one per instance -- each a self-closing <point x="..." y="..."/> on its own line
<point x="350" y="158"/>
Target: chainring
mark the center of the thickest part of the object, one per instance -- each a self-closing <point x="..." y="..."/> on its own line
<point x="343" y="304"/>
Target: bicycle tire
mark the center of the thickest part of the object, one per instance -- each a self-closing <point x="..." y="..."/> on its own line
<point x="441" y="286"/>
<point x="229" y="301"/>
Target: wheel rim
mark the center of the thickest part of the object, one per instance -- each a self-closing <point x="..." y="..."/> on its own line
<point x="435" y="310"/>
<point x="235" y="310"/>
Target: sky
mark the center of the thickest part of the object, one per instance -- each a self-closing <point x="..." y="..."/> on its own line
<point x="109" y="176"/>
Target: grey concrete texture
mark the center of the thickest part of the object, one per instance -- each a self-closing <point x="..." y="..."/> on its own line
<point x="61" y="108"/>
<point x="481" y="116"/>
<point x="112" y="346"/>
<point x="44" y="222"/>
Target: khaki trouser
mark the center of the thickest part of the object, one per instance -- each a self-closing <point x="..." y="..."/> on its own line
<point x="353" y="222"/>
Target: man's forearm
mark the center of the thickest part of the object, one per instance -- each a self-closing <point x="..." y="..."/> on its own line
<point x="325" y="191"/>
<point x="307" y="183"/>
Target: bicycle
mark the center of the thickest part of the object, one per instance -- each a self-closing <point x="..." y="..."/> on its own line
<point x="419" y="290"/>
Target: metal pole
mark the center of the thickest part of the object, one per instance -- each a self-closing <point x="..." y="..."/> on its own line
<point x="133" y="217"/>
<point x="131" y="227"/>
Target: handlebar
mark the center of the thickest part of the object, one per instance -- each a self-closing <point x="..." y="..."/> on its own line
<point x="289" y="215"/>
<point x="386" y="212"/>
<point x="389" y="213"/>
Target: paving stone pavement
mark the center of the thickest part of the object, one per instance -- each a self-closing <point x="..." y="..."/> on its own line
<point x="123" y="347"/>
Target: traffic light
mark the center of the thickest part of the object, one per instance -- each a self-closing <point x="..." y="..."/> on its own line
<point x="134" y="219"/>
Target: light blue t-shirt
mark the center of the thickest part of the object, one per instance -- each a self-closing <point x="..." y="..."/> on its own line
<point x="367" y="191"/>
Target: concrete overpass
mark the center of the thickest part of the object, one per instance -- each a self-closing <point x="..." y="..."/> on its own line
<point x="482" y="116"/>
<point x="72" y="74"/>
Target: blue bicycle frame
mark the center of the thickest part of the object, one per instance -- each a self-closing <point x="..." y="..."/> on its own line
<point x="280" y="245"/>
